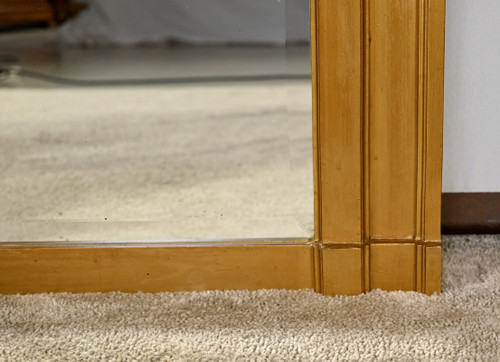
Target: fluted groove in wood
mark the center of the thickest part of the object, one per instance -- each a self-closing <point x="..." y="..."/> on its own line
<point x="398" y="117"/>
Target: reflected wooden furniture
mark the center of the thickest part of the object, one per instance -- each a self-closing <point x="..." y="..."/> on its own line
<point x="26" y="12"/>
<point x="50" y="12"/>
<point x="377" y="123"/>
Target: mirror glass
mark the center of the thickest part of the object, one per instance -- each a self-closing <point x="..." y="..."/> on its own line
<point x="125" y="120"/>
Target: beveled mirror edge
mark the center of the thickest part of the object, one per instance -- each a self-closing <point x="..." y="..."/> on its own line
<point x="154" y="243"/>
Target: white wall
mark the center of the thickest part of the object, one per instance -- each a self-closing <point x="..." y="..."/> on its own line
<point x="472" y="97"/>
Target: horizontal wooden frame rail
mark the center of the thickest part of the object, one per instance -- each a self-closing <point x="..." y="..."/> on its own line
<point x="154" y="269"/>
<point x="377" y="125"/>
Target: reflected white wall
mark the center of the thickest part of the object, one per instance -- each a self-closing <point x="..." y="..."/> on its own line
<point x="127" y="22"/>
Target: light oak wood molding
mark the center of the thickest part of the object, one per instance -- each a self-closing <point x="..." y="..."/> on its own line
<point x="379" y="68"/>
<point x="156" y="269"/>
<point x="377" y="123"/>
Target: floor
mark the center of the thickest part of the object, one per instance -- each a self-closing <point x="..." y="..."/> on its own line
<point x="41" y="51"/>
<point x="152" y="158"/>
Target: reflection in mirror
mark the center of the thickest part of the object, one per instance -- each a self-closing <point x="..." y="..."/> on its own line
<point x="155" y="120"/>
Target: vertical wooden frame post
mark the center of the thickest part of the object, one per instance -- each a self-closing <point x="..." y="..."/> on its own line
<point x="379" y="68"/>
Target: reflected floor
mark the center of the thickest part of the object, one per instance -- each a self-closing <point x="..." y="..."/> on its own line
<point x="197" y="161"/>
<point x="40" y="51"/>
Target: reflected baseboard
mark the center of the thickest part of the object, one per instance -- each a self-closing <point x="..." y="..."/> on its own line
<point x="471" y="213"/>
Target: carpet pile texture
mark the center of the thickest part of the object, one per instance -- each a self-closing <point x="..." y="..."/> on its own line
<point x="462" y="323"/>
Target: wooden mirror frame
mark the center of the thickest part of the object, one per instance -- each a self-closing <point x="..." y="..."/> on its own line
<point x="377" y="121"/>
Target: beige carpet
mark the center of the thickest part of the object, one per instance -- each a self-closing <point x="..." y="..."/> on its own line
<point x="461" y="324"/>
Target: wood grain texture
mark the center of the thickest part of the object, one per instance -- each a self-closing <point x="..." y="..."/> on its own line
<point x="340" y="85"/>
<point x="433" y="269"/>
<point x="392" y="266"/>
<point x="36" y="270"/>
<point x="380" y="83"/>
<point x="434" y="78"/>
<point x="392" y="120"/>
<point x="342" y="271"/>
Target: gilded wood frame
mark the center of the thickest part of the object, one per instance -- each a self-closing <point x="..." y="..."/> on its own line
<point x="377" y="125"/>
